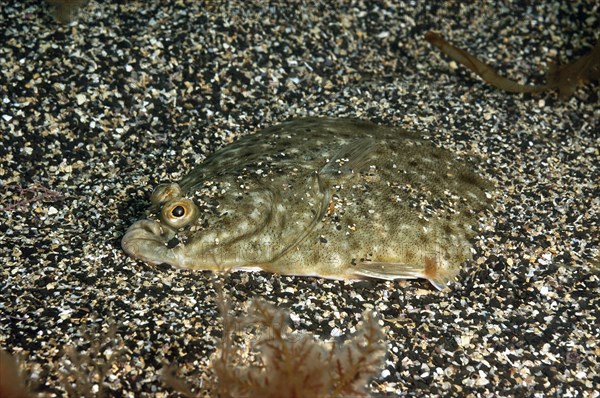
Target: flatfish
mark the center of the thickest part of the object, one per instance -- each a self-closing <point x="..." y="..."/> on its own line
<point x="327" y="197"/>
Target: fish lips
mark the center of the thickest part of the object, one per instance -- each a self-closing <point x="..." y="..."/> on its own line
<point x="147" y="240"/>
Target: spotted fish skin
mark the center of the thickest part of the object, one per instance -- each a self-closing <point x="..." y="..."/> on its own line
<point x="328" y="197"/>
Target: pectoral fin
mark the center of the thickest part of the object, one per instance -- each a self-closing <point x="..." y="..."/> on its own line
<point x="352" y="157"/>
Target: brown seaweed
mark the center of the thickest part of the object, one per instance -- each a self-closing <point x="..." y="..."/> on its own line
<point x="564" y="78"/>
<point x="283" y="363"/>
<point x="567" y="77"/>
<point x="12" y="380"/>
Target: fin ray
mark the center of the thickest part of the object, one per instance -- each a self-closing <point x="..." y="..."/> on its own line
<point x="392" y="271"/>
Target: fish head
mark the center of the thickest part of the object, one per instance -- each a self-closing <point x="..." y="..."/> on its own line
<point x="196" y="229"/>
<point x="151" y="239"/>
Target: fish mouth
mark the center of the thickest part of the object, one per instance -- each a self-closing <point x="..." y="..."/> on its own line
<point x="147" y="240"/>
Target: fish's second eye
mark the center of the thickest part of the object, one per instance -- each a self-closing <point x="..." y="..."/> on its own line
<point x="178" y="211"/>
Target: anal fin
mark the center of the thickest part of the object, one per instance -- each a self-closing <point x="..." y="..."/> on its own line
<point x="391" y="271"/>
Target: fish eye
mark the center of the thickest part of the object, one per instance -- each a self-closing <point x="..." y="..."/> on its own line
<point x="179" y="212"/>
<point x="165" y="192"/>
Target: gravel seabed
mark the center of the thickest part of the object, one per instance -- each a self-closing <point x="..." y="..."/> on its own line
<point x="94" y="114"/>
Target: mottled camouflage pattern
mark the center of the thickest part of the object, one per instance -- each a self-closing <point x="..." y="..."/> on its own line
<point x="335" y="198"/>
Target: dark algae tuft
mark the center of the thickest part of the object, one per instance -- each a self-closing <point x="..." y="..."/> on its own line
<point x="562" y="78"/>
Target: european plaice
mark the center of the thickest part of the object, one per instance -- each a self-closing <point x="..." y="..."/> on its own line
<point x="327" y="197"/>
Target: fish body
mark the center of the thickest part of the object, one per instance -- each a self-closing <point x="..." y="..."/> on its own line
<point x="328" y="197"/>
